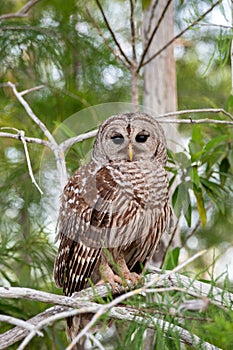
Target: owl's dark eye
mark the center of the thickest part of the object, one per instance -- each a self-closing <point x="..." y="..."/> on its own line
<point x="141" y="138"/>
<point x="118" y="139"/>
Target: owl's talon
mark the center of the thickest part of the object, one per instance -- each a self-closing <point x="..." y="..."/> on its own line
<point x="112" y="280"/>
<point x="133" y="277"/>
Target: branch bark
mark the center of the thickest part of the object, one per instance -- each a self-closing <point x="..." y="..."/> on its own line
<point x="23" y="12"/>
<point x="112" y="33"/>
<point x="83" y="301"/>
<point x="180" y="34"/>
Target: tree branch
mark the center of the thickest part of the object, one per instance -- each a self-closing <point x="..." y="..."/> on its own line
<point x="83" y="300"/>
<point x="59" y="155"/>
<point x="27" y="139"/>
<point x="19" y="96"/>
<point x="180" y="34"/>
<point x="200" y="110"/>
<point x="148" y="44"/>
<point x="104" y="39"/>
<point x="152" y="12"/>
<point x="132" y="26"/>
<point x="112" y="33"/>
<point x="23" y="12"/>
<point x="194" y="121"/>
<point x="65" y="145"/>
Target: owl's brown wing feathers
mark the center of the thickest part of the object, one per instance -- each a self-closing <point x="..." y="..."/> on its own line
<point x="88" y="215"/>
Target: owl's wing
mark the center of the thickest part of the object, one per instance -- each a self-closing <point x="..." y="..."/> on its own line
<point x="90" y="210"/>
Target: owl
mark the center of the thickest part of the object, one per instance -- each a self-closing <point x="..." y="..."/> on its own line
<point x="114" y="209"/>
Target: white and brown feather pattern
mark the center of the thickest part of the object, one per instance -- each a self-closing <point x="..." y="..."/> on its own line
<point x="114" y="203"/>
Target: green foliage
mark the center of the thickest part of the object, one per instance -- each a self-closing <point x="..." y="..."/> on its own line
<point x="171" y="259"/>
<point x="204" y="170"/>
<point x="57" y="46"/>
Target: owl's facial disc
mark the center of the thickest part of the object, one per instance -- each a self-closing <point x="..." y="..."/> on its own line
<point x="130" y="137"/>
<point x="129" y="142"/>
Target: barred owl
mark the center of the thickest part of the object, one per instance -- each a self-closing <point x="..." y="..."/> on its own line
<point x="114" y="209"/>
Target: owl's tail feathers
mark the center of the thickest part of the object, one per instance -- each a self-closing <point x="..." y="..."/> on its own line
<point x="74" y="326"/>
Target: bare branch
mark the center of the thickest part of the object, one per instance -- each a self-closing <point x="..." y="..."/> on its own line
<point x="112" y="33"/>
<point x="31" y="113"/>
<point x="194" y="121"/>
<point x="201" y="110"/>
<point x="27" y="139"/>
<point x="65" y="145"/>
<point x="59" y="155"/>
<point x="132" y="30"/>
<point x="152" y="13"/>
<point x="22" y="138"/>
<point x="20" y="323"/>
<point x="181" y="33"/>
<point x="82" y="300"/>
<point x="28" y="91"/>
<point x="23" y="12"/>
<point x="95" y="341"/>
<point x="104" y="39"/>
<point x="148" y="44"/>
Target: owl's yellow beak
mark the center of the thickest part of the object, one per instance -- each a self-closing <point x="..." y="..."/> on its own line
<point x="130" y="151"/>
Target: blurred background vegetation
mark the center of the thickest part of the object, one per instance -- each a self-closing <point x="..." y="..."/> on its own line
<point x="57" y="46"/>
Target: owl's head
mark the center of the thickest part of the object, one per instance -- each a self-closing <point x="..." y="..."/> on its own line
<point x="130" y="137"/>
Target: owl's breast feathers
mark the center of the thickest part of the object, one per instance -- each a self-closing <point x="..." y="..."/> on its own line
<point x="113" y="207"/>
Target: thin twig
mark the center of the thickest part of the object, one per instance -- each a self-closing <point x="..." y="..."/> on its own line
<point x="35" y="88"/>
<point x="188" y="261"/>
<point x="112" y="33"/>
<point x="148" y="44"/>
<point x="82" y="299"/>
<point x="58" y="153"/>
<point x="104" y="39"/>
<point x="199" y="110"/>
<point x="132" y="26"/>
<point x="22" y="138"/>
<point x="152" y="13"/>
<point x="23" y="12"/>
<point x="121" y="298"/>
<point x="27" y="139"/>
<point x="194" y="121"/>
<point x="65" y="145"/>
<point x="50" y="320"/>
<point x="180" y="34"/>
<point x="20" y="323"/>
<point x="31" y="113"/>
<point x="95" y="341"/>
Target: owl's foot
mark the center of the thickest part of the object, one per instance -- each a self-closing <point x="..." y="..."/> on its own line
<point x="112" y="279"/>
<point x="133" y="277"/>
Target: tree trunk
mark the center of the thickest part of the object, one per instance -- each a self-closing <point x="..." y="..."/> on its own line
<point x="160" y="93"/>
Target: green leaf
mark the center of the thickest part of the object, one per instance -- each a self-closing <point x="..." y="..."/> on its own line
<point x="181" y="201"/>
<point x="200" y="204"/>
<point x="215" y="142"/>
<point x="215" y="188"/>
<point x="188" y="212"/>
<point x="196" y="135"/>
<point x="224" y="168"/>
<point x="171" y="181"/>
<point x="215" y="192"/>
<point x="171" y="259"/>
<point x="193" y="173"/>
